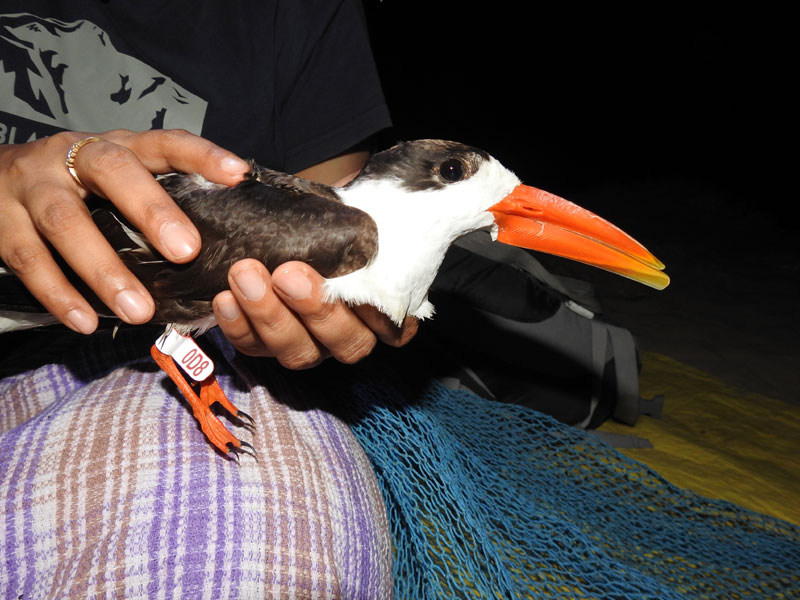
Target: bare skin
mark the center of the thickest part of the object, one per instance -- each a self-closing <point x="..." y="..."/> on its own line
<point x="280" y="314"/>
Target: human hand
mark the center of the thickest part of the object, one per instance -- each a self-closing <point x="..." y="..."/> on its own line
<point x="40" y="202"/>
<point x="283" y="315"/>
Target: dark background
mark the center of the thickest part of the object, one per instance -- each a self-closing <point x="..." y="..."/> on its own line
<point x="677" y="125"/>
<point x="568" y="97"/>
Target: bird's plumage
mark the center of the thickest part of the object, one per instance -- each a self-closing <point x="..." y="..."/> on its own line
<point x="270" y="216"/>
<point x="379" y="240"/>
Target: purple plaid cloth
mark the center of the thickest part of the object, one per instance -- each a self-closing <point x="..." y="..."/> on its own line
<point x="109" y="489"/>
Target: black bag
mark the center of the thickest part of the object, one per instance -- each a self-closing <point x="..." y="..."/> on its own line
<point x="521" y="335"/>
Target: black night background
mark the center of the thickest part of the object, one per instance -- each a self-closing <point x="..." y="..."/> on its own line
<point x="671" y="123"/>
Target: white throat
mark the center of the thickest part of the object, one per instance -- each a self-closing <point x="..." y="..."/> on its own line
<point x="415" y="229"/>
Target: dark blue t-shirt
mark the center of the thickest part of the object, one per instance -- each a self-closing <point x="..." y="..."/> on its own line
<point x="286" y="83"/>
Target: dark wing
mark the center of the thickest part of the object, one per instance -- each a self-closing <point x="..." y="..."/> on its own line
<point x="270" y="216"/>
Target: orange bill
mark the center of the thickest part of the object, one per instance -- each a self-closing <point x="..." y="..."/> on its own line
<point x="537" y="220"/>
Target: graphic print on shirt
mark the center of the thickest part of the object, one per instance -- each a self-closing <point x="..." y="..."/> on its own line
<point x="56" y="75"/>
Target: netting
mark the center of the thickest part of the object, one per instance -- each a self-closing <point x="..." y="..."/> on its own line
<point x="485" y="500"/>
<point x="488" y="500"/>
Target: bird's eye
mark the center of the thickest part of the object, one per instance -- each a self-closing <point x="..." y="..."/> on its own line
<point x="452" y="170"/>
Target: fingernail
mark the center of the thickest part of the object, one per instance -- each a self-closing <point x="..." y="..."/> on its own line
<point x="294" y="284"/>
<point x="80" y="321"/>
<point x="251" y="283"/>
<point x="179" y="240"/>
<point x="134" y="306"/>
<point x="234" y="166"/>
<point x="228" y="309"/>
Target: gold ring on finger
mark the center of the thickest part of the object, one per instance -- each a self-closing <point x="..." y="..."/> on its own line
<point x="73" y="152"/>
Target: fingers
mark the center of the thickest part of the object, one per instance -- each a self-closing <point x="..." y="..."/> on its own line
<point x="41" y="202"/>
<point x="118" y="167"/>
<point x="334" y="325"/>
<point x="257" y="322"/>
<point x="115" y="172"/>
<point x="26" y="255"/>
<point x="65" y="222"/>
<point x="283" y="315"/>
<point x="163" y="151"/>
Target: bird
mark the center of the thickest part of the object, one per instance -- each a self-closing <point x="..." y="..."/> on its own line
<point x="379" y="240"/>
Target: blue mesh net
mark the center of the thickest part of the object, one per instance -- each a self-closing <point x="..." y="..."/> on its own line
<point x="488" y="500"/>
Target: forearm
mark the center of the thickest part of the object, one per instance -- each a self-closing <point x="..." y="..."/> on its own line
<point x="338" y="170"/>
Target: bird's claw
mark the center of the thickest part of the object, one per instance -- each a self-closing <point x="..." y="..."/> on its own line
<point x="242" y="448"/>
<point x="246" y="419"/>
<point x="210" y="393"/>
